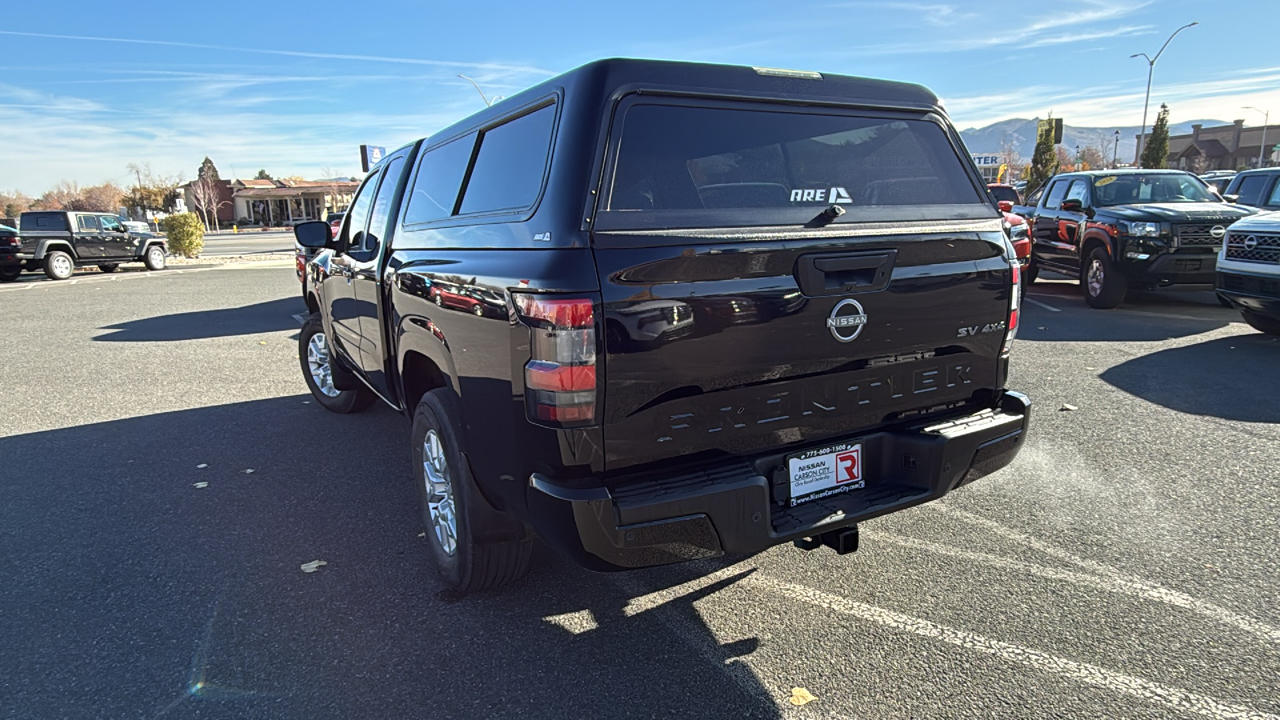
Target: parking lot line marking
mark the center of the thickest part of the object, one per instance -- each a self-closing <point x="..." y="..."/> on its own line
<point x="1046" y="306"/>
<point x="1173" y="597"/>
<point x="1166" y="695"/>
<point x="1111" y="583"/>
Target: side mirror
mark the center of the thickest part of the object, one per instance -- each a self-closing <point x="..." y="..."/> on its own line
<point x="1072" y="205"/>
<point x="1231" y="198"/>
<point x="1005" y="206"/>
<point x="314" y="234"/>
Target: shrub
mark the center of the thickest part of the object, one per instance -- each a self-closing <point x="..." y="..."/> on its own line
<point x="185" y="234"/>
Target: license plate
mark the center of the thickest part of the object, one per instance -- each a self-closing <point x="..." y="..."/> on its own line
<point x="825" y="471"/>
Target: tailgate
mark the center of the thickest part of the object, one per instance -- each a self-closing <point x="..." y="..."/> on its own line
<point x="747" y="347"/>
<point x="775" y="275"/>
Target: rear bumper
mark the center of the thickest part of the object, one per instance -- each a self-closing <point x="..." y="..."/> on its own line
<point x="11" y="257"/>
<point x="689" y="513"/>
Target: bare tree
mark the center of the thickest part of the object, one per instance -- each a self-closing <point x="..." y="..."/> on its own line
<point x="206" y="191"/>
<point x="1010" y="157"/>
<point x="336" y="188"/>
<point x="13" y="204"/>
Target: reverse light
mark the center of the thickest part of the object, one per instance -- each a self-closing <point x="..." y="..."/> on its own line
<point x="560" y="378"/>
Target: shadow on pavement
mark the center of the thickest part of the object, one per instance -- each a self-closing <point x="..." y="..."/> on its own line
<point x="1206" y="378"/>
<point x="1146" y="316"/>
<point x="263" y="317"/>
<point x="141" y="594"/>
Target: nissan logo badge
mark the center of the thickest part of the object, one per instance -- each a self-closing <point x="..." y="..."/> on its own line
<point x="1250" y="242"/>
<point x="1218" y="231"/>
<point x="847" y="320"/>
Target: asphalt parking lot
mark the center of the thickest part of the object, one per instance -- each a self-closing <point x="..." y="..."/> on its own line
<point x="165" y="476"/>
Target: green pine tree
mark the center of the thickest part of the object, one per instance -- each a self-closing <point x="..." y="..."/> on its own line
<point x="207" y="169"/>
<point x="1044" y="163"/>
<point x="1155" y="154"/>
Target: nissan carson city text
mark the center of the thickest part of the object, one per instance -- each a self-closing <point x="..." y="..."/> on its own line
<point x="651" y="312"/>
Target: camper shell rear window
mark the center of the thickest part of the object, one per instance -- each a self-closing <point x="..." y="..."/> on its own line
<point x="681" y="164"/>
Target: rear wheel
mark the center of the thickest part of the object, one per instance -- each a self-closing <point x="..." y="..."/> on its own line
<point x="108" y="267"/>
<point x="1262" y="323"/>
<point x="475" y="547"/>
<point x="58" y="265"/>
<point x="1103" y="283"/>
<point x="154" y="258"/>
<point x="9" y="273"/>
<point x="318" y="370"/>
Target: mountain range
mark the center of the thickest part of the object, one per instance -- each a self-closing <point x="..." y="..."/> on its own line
<point x="1022" y="134"/>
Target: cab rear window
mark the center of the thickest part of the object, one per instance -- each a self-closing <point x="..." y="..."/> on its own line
<point x="784" y="166"/>
<point x="43" y="221"/>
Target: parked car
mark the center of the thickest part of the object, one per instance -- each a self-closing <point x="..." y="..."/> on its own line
<point x="1249" y="270"/>
<point x="1256" y="188"/>
<point x="136" y="226"/>
<point x="59" y="241"/>
<point x="1219" y="180"/>
<point x="10" y="247"/>
<point x="1114" y="228"/>
<point x="335" y="222"/>
<point x="1004" y="194"/>
<point x="867" y="376"/>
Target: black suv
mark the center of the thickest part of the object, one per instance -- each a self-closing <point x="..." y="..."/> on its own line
<point x="59" y="241"/>
<point x="685" y="310"/>
<point x="1256" y="188"/>
<point x="1115" y="228"/>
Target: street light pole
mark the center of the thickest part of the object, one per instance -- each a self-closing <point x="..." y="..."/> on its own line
<point x="486" y="100"/>
<point x="1115" y="157"/>
<point x="1151" y="68"/>
<point x="1266" y="118"/>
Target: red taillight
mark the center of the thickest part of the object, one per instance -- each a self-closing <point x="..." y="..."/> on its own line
<point x="14" y="241"/>
<point x="560" y="378"/>
<point x="1011" y="327"/>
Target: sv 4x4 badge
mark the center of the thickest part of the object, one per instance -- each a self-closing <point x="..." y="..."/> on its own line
<point x="973" y="330"/>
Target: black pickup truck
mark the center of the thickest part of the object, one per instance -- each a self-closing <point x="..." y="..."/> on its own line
<point x="656" y="311"/>
<point x="1117" y="228"/>
<point x="59" y="241"/>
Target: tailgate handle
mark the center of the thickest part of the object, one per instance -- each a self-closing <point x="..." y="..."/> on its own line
<point x="851" y="272"/>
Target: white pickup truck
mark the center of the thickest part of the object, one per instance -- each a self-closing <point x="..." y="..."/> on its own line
<point x="1249" y="270"/>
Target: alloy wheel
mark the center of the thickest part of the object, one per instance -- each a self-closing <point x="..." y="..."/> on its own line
<point x="435" y="474"/>
<point x="1095" y="278"/>
<point x="318" y="364"/>
<point x="62" y="265"/>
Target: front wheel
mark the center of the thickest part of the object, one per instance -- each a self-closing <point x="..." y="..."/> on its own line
<point x="475" y="547"/>
<point x="9" y="273"/>
<point x="154" y="259"/>
<point x="58" y="265"/>
<point x="317" y="368"/>
<point x="1031" y="271"/>
<point x="1262" y="323"/>
<point x="1103" y="283"/>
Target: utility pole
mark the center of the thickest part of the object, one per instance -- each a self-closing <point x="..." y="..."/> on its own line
<point x="1266" y="118"/>
<point x="1115" y="156"/>
<point x="1151" y="68"/>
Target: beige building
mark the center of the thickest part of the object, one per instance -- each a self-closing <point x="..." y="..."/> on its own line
<point x="289" y="202"/>
<point x="1223" y="147"/>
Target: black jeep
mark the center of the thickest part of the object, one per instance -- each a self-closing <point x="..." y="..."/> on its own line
<point x="1117" y="228"/>
<point x="58" y="241"/>
<point x="683" y="310"/>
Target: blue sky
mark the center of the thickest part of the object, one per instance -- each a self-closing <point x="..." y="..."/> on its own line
<point x="88" y="87"/>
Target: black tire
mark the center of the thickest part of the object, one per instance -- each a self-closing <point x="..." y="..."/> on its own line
<point x="340" y="401"/>
<point x="490" y="548"/>
<point x="153" y="258"/>
<point x="58" y="265"/>
<point x="439" y="301"/>
<point x="477" y="310"/>
<point x="1031" y="272"/>
<point x="1103" y="284"/>
<point x="108" y="267"/>
<point x="9" y="273"/>
<point x="1262" y="323"/>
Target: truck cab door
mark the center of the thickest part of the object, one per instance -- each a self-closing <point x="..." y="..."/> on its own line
<point x="117" y="242"/>
<point x="86" y="237"/>
<point x="1047" y="243"/>
<point x="338" y="293"/>
<point x="366" y="284"/>
<point x="1073" y="218"/>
